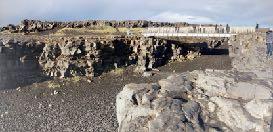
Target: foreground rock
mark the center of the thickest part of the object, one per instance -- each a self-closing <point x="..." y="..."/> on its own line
<point x="212" y="100"/>
<point x="176" y="104"/>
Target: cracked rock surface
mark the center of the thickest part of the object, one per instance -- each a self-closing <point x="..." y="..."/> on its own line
<point x="212" y="100"/>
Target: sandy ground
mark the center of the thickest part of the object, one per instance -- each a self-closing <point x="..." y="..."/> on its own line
<point x="78" y="105"/>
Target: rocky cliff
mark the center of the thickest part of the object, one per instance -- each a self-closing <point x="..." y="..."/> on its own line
<point x="19" y="63"/>
<point x="67" y="57"/>
<point x="79" y="56"/>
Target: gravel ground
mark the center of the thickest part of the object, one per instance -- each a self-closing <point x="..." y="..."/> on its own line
<point x="77" y="105"/>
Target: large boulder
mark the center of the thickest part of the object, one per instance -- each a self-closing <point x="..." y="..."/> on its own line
<point x="195" y="102"/>
<point x="154" y="107"/>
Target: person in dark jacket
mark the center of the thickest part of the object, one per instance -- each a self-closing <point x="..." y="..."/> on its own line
<point x="269" y="43"/>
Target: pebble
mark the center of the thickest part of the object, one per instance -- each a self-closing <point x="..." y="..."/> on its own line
<point x="55" y="92"/>
<point x="18" y="89"/>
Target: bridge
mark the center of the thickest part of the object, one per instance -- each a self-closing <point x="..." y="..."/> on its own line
<point x="176" y="34"/>
<point x="187" y="32"/>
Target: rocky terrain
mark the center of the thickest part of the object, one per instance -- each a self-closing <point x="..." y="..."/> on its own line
<point x="211" y="100"/>
<point x="76" y="104"/>
<point x="28" y="26"/>
<point x="90" y="57"/>
<point x="70" y="83"/>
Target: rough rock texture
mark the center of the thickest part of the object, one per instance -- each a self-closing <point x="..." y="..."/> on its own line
<point x="249" y="53"/>
<point x="66" y="57"/>
<point x="175" y="104"/>
<point x="153" y="107"/>
<point x="212" y="100"/>
<point x="69" y="58"/>
<point x="152" y="53"/>
<point x="79" y="56"/>
<point x="37" y="26"/>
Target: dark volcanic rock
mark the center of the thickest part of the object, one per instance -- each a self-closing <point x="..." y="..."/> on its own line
<point x="68" y="57"/>
<point x="19" y="63"/>
<point x="83" y="57"/>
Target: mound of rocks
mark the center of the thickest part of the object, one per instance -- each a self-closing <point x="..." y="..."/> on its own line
<point x="212" y="100"/>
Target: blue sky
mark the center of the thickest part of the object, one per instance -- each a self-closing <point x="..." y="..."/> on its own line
<point x="234" y="12"/>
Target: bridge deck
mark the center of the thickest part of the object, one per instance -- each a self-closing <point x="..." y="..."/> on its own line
<point x="219" y="35"/>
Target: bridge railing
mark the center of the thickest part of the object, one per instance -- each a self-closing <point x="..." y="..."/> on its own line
<point x="200" y="30"/>
<point x="187" y="35"/>
<point x="185" y="31"/>
<point x="182" y="30"/>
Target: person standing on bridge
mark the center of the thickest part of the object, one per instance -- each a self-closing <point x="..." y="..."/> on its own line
<point x="227" y="28"/>
<point x="269" y="43"/>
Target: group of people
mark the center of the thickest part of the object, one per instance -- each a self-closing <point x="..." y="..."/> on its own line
<point x="269" y="43"/>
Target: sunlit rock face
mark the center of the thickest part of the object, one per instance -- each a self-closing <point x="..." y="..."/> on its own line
<point x="19" y="64"/>
<point x="211" y="100"/>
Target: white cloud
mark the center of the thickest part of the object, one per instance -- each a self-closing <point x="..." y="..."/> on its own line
<point x="195" y="11"/>
<point x="176" y="17"/>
